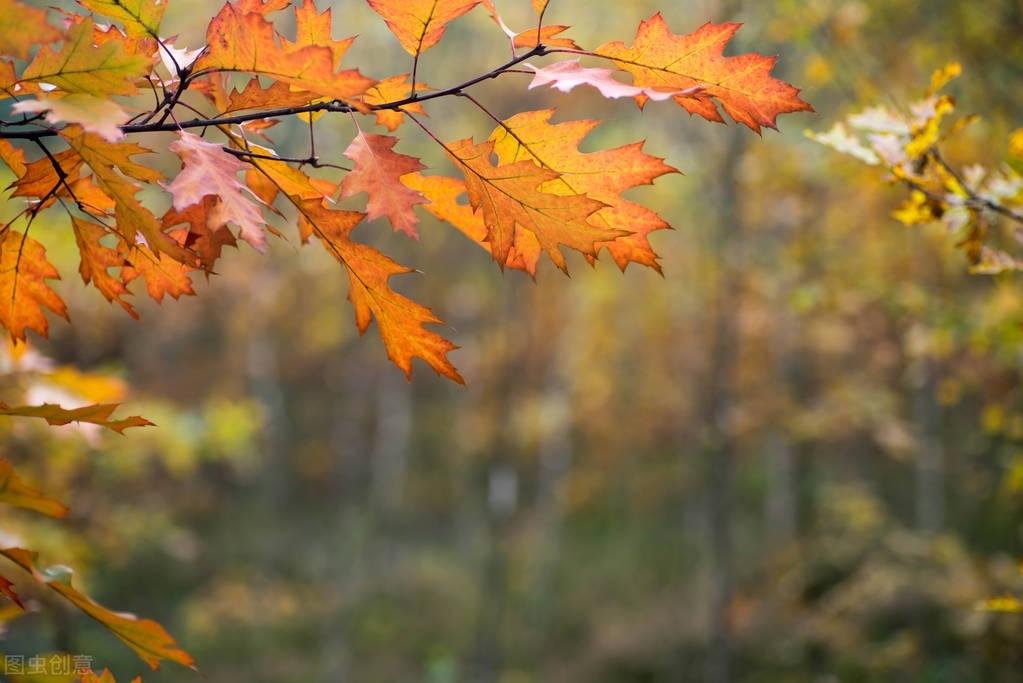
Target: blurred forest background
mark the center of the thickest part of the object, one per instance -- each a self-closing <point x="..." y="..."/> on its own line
<point x="798" y="456"/>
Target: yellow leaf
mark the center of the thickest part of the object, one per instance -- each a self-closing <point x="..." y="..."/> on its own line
<point x="14" y="491"/>
<point x="24" y="292"/>
<point x="148" y="639"/>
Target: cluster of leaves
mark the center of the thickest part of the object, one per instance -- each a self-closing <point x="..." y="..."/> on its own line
<point x="981" y="207"/>
<point x="530" y="190"/>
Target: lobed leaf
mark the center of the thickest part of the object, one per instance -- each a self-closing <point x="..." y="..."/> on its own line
<point x="148" y="639"/>
<point x="14" y="491"/>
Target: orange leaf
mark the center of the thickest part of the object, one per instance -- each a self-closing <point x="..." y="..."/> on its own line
<point x="105" y="677"/>
<point x="743" y="85"/>
<point x="240" y="41"/>
<point x="7" y="588"/>
<point x="210" y="171"/>
<point x="531" y="136"/>
<point x="24" y="292"/>
<point x="22" y="28"/>
<point x="377" y="172"/>
<point x="40" y="176"/>
<point x="528" y="39"/>
<point x="97" y="259"/>
<point x="148" y="639"/>
<point x="205" y="240"/>
<point x="14" y="491"/>
<point x="315" y="28"/>
<point x="98" y="414"/>
<point x="399" y="319"/>
<point x="162" y="274"/>
<point x="510" y="199"/>
<point x="419" y="24"/>
<point x="391" y="90"/>
<point x="443" y="194"/>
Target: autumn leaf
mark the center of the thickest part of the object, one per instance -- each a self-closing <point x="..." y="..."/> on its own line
<point x="743" y="84"/>
<point x="391" y="90"/>
<point x="510" y="199"/>
<point x="84" y="67"/>
<point x="531" y="136"/>
<point x="444" y="201"/>
<point x="316" y="28"/>
<point x="568" y="74"/>
<point x="210" y="171"/>
<point x="206" y="241"/>
<point x="97" y="259"/>
<point x="140" y="17"/>
<point x="22" y="28"/>
<point x="7" y="588"/>
<point x="114" y="171"/>
<point x="105" y="677"/>
<point x="14" y="157"/>
<point x="162" y="274"/>
<point x="399" y="319"/>
<point x="148" y="639"/>
<point x="24" y="292"/>
<point x="39" y="178"/>
<point x="98" y="414"/>
<point x="548" y="36"/>
<point x="377" y="172"/>
<point x="95" y="114"/>
<point x="14" y="491"/>
<point x="240" y="41"/>
<point x="420" y="24"/>
<point x="540" y="6"/>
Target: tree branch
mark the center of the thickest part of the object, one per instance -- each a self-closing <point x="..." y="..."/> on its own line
<point x="333" y="106"/>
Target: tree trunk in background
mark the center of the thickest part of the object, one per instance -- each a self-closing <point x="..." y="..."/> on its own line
<point x="264" y="380"/>
<point x="389" y="457"/>
<point x="555" y="458"/>
<point x="726" y="294"/>
<point x="930" y="457"/>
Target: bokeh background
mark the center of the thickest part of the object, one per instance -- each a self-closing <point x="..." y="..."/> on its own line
<point x="797" y="456"/>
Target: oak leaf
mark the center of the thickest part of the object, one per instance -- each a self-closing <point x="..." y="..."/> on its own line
<point x="148" y="639"/>
<point x="140" y="17"/>
<point x="420" y="24"/>
<point x="105" y="677"/>
<point x="247" y="41"/>
<point x="399" y="319"/>
<point x="210" y="171"/>
<point x="510" y="199"/>
<point x="97" y="259"/>
<point x="22" y="28"/>
<point x="743" y="84"/>
<point x="162" y="274"/>
<point x="531" y="136"/>
<point x="98" y="414"/>
<point x="444" y="195"/>
<point x="24" y="292"/>
<point x="389" y="90"/>
<point x="7" y="588"/>
<point x="82" y="66"/>
<point x="14" y="491"/>
<point x="204" y="239"/>
<point x="377" y="172"/>
<point x="568" y="74"/>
